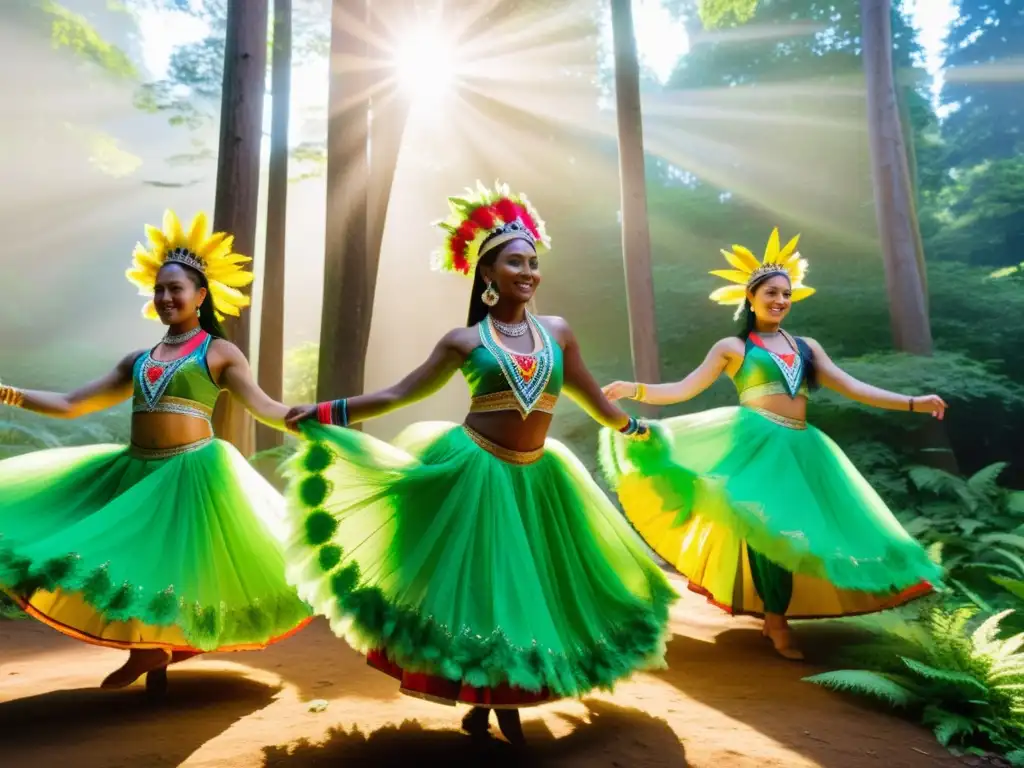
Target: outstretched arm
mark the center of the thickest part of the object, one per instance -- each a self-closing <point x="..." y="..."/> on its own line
<point x="114" y="388"/>
<point x="835" y="378"/>
<point x="427" y="379"/>
<point x="581" y="386"/>
<point x="236" y="377"/>
<point x="699" y="379"/>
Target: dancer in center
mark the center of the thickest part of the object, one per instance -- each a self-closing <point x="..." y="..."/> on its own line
<point x="478" y="563"/>
<point x="763" y="513"/>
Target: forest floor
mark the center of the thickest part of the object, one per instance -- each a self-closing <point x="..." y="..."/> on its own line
<point x="726" y="701"/>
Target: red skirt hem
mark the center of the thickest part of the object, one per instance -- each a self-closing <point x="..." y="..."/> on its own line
<point x="451" y="692"/>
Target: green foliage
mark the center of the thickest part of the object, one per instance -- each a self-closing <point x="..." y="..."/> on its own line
<point x="979" y="526"/>
<point x="300" y="373"/>
<point x="980" y="214"/>
<point x="718" y="13"/>
<point x="74" y="32"/>
<point x="967" y="686"/>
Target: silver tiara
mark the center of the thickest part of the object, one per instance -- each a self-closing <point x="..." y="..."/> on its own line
<point x="766" y="269"/>
<point x="517" y="227"/>
<point x="186" y="257"/>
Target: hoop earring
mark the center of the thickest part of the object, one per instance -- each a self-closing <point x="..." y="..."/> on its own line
<point x="490" y="296"/>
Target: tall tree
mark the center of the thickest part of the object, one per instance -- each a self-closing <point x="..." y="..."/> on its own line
<point x="271" y="358"/>
<point x="361" y="159"/>
<point x="636" y="236"/>
<point x="348" y="292"/>
<point x="988" y="120"/>
<point x="894" y="196"/>
<point x="238" y="171"/>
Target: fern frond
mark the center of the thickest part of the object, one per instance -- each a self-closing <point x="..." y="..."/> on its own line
<point x="986" y="633"/>
<point x="985" y="482"/>
<point x="949" y="676"/>
<point x="866" y="683"/>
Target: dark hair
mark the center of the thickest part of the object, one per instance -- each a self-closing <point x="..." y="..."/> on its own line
<point x="477" y="309"/>
<point x="207" y="316"/>
<point x="749" y="323"/>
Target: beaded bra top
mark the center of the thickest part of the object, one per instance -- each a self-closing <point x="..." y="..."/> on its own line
<point x="764" y="372"/>
<point x="183" y="386"/>
<point x="501" y="380"/>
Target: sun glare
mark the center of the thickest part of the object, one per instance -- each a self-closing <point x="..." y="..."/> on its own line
<point x="425" y="61"/>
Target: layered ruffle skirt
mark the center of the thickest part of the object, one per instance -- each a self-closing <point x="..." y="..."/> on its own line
<point x="721" y="492"/>
<point x="471" y="573"/>
<point x="126" y="548"/>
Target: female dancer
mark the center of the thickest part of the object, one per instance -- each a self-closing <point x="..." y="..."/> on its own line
<point x="764" y="514"/>
<point x="478" y="563"/>
<point x="173" y="545"/>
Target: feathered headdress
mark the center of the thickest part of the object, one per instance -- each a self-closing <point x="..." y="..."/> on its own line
<point x="747" y="269"/>
<point x="496" y="216"/>
<point x="208" y="253"/>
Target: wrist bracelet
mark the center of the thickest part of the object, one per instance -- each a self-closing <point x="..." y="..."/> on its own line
<point x="11" y="396"/>
<point x="641" y="393"/>
<point x="333" y="412"/>
<point x="631" y="427"/>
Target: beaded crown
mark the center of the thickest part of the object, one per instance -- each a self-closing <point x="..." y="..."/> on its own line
<point x="210" y="254"/>
<point x="492" y="215"/>
<point x="746" y="268"/>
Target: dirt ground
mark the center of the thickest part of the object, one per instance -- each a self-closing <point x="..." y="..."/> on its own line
<point x="726" y="701"/>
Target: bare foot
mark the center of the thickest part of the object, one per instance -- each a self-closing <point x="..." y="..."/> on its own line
<point x="782" y="640"/>
<point x="475" y="723"/>
<point x="511" y="727"/>
<point x="139" y="663"/>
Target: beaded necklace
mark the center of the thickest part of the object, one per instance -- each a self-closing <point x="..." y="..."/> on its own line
<point x="527" y="375"/>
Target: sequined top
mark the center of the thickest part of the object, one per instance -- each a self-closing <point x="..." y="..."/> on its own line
<point x="764" y="372"/>
<point x="501" y="380"/>
<point x="183" y="386"/>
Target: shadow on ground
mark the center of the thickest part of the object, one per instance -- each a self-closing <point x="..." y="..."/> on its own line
<point x="107" y="727"/>
<point x="609" y="736"/>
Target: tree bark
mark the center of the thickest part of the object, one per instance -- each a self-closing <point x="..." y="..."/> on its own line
<point x="894" y="199"/>
<point x="271" y="363"/>
<point x="636" y="238"/>
<point x="348" y="295"/>
<point x="387" y="127"/>
<point x="238" y="172"/>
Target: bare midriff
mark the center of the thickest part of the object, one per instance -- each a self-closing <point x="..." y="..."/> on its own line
<point x="509" y="430"/>
<point x="782" y="405"/>
<point x="168" y="430"/>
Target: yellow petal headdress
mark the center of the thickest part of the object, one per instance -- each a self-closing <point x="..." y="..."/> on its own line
<point x="746" y="269"/>
<point x="208" y="253"/>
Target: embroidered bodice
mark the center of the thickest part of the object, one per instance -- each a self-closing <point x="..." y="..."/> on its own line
<point x="183" y="385"/>
<point x="764" y="372"/>
<point x="501" y="380"/>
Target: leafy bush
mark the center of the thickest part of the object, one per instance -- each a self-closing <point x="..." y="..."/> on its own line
<point x="967" y="686"/>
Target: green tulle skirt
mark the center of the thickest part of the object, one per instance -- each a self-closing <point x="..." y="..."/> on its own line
<point x="711" y="486"/>
<point x="126" y="550"/>
<point x="470" y="577"/>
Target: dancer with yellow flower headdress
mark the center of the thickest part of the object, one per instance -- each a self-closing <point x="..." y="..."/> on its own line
<point x="171" y="546"/>
<point x="478" y="564"/>
<point x="763" y="513"/>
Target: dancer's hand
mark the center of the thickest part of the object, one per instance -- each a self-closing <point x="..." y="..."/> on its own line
<point x="930" y="404"/>
<point x="619" y="390"/>
<point x="298" y="414"/>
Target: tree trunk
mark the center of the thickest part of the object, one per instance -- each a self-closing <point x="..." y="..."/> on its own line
<point x="894" y="201"/>
<point x="238" y="172"/>
<point x="902" y="248"/>
<point x="271" y="363"/>
<point x="348" y="296"/>
<point x="387" y="127"/>
<point x="636" y="238"/>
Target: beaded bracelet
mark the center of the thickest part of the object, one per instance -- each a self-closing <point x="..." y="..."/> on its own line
<point x="635" y="429"/>
<point x="11" y="396"/>
<point x="333" y="412"/>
